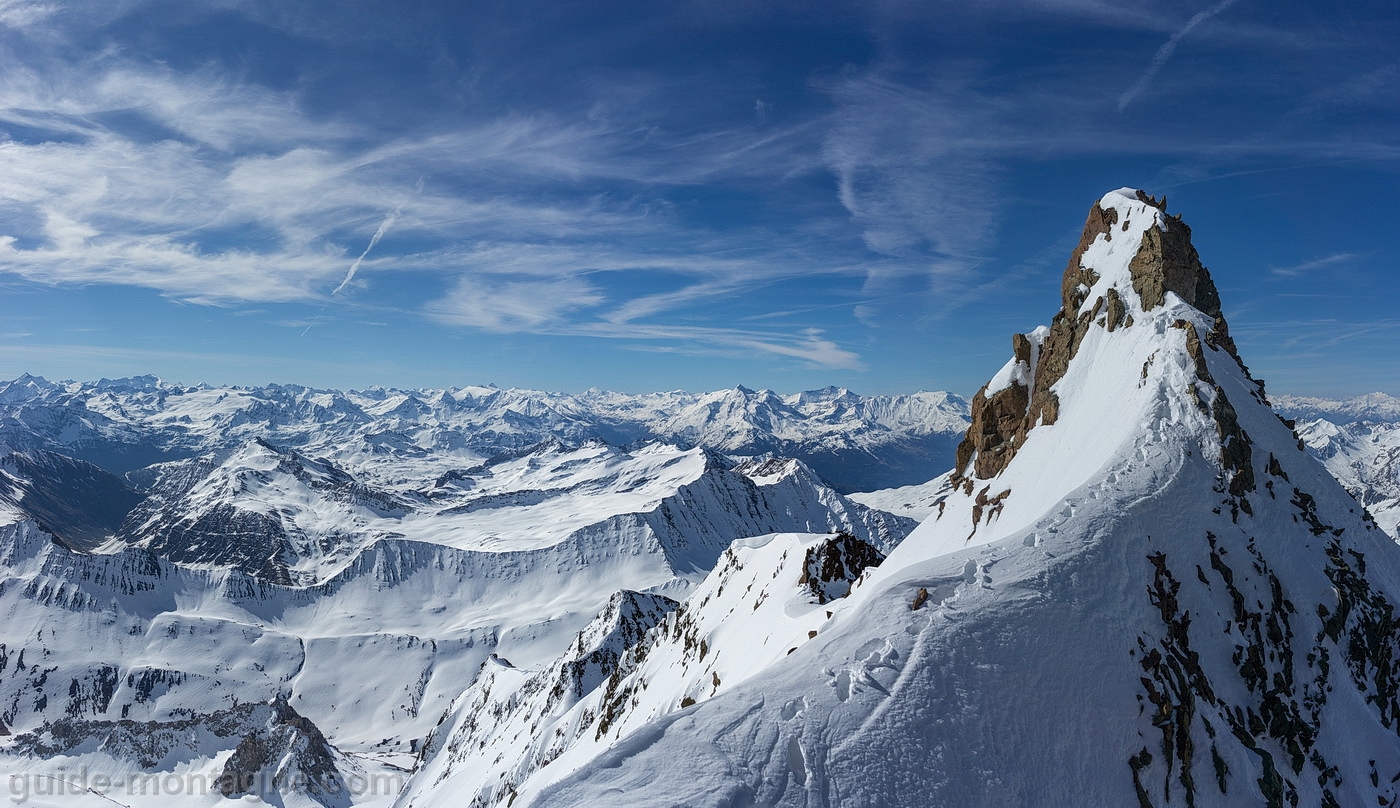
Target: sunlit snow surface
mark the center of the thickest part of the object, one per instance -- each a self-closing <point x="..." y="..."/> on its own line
<point x="914" y="501"/>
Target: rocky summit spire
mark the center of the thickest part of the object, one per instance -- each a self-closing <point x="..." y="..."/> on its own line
<point x="1102" y="290"/>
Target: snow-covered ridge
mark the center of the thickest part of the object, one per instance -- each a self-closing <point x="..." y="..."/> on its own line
<point x="293" y="519"/>
<point x="514" y="731"/>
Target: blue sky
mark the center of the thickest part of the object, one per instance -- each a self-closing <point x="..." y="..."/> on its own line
<point x="695" y="194"/>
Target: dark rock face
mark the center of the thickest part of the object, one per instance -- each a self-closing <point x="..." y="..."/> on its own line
<point x="255" y="543"/>
<point x="289" y="753"/>
<point x="997" y="430"/>
<point x="1099" y="223"/>
<point x="1237" y="454"/>
<point x="277" y="749"/>
<point x="1166" y="262"/>
<point x="77" y="502"/>
<point x="834" y="565"/>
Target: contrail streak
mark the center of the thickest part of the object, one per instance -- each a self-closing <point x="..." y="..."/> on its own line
<point x="373" y="240"/>
<point x="1165" y="52"/>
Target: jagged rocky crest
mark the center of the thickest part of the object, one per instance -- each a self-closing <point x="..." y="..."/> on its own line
<point x="1165" y="262"/>
<point x="277" y="751"/>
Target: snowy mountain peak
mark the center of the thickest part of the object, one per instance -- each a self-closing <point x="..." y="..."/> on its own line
<point x="1134" y="267"/>
<point x="25" y="387"/>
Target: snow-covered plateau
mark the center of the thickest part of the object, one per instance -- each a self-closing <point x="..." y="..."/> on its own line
<point x="1138" y="584"/>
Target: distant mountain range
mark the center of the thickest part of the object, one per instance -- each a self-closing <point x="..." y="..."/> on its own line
<point x="170" y="556"/>
<point x="855" y="442"/>
<point x="1373" y="407"/>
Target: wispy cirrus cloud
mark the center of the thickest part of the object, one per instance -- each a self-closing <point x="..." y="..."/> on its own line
<point x="1316" y="264"/>
<point x="603" y="189"/>
<point x="25" y="13"/>
<point x="507" y="305"/>
<point x="96" y="205"/>
<point x="1159" y="59"/>
<point x="809" y="346"/>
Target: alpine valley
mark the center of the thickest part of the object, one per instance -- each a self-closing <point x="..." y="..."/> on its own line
<point x="1140" y="584"/>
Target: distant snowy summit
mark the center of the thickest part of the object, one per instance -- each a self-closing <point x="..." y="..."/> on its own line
<point x="1135" y="588"/>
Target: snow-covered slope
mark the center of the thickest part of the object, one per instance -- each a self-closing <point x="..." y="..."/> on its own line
<point x="1142" y="591"/>
<point x="914" y="501"/>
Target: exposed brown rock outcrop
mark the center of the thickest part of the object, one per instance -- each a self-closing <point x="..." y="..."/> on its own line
<point x="1166" y="262"/>
<point x="1000" y="422"/>
<point x="997" y="430"/>
<point x="1236" y="449"/>
<point x="1117" y="312"/>
<point x="1100" y="222"/>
